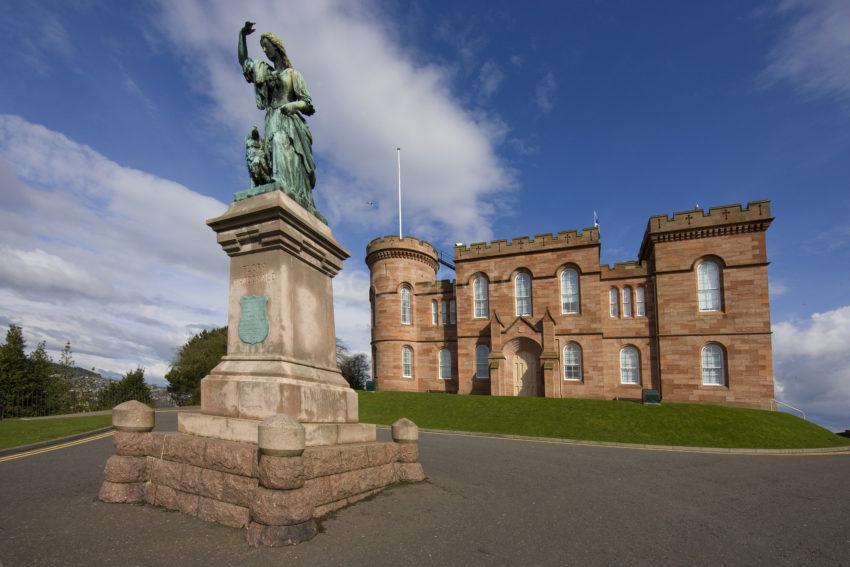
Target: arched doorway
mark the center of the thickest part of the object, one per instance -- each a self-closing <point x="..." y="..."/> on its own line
<point x="525" y="374"/>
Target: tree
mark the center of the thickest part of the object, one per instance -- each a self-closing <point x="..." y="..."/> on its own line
<point x="36" y="384"/>
<point x="131" y="387"/>
<point x="196" y="359"/>
<point x="354" y="367"/>
<point x="13" y="368"/>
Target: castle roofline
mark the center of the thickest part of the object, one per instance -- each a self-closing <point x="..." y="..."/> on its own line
<point x="697" y="223"/>
<point x="407" y="247"/>
<point x="526" y="244"/>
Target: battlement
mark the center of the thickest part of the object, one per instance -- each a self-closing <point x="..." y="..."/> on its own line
<point x="407" y="247"/>
<point x="698" y="223"/>
<point x="526" y="244"/>
<point x="621" y="270"/>
<point x="432" y="287"/>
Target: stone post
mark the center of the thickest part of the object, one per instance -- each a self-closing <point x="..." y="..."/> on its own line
<point x="406" y="435"/>
<point x="125" y="475"/>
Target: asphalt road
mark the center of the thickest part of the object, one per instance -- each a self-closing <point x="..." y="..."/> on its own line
<point x="486" y="502"/>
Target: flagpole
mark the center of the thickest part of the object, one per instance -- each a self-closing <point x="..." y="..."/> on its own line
<point x="398" y="160"/>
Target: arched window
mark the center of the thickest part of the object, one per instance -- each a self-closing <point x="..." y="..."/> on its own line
<point x="713" y="367"/>
<point x="640" y="301"/>
<point x="405" y="305"/>
<point x="708" y="286"/>
<point x="445" y="358"/>
<point x="572" y="361"/>
<point x="627" y="301"/>
<point x="522" y="291"/>
<point x="482" y="366"/>
<point x="434" y="313"/>
<point x="452" y="312"/>
<point x="614" y="302"/>
<point x="629" y="365"/>
<point x="569" y="291"/>
<point x="406" y="362"/>
<point x="481" y="297"/>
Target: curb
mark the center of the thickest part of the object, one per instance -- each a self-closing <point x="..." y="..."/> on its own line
<point x="662" y="448"/>
<point x="50" y="442"/>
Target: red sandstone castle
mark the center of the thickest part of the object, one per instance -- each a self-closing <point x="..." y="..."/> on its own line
<point x="542" y="317"/>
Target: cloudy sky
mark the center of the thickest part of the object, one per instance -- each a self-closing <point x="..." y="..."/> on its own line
<point x="122" y="126"/>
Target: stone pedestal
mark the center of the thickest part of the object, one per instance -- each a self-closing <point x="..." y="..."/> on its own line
<point x="277" y="443"/>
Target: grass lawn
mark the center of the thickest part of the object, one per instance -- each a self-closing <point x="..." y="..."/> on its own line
<point x="14" y="432"/>
<point x="694" y="425"/>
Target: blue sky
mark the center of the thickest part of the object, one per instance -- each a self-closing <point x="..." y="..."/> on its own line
<point x="513" y="120"/>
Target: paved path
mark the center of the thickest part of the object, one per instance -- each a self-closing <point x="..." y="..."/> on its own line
<point x="487" y="502"/>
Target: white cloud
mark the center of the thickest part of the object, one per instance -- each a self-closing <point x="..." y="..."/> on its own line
<point x="814" y="52"/>
<point x="490" y="78"/>
<point x="545" y="91"/>
<point x="371" y="96"/>
<point x="812" y="366"/>
<point x="777" y="288"/>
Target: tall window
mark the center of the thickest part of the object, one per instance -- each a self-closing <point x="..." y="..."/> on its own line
<point x="614" y="302"/>
<point x="627" y="301"/>
<point x="434" y="312"/>
<point x="407" y="362"/>
<point x="444" y="313"/>
<point x="640" y="301"/>
<point x="405" y="305"/>
<point x="482" y="366"/>
<point x="708" y="286"/>
<point x="629" y="365"/>
<point x="372" y="305"/>
<point x="713" y="371"/>
<point x="572" y="361"/>
<point x="522" y="290"/>
<point x="569" y="291"/>
<point x="445" y="364"/>
<point x="452" y="312"/>
<point x="481" y="295"/>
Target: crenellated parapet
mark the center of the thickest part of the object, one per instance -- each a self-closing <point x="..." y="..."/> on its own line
<point x="435" y="287"/>
<point x="622" y="270"/>
<point x="527" y="244"/>
<point x="407" y="248"/>
<point x="698" y="223"/>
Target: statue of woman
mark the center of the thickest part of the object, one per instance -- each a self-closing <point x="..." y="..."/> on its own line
<point x="282" y="93"/>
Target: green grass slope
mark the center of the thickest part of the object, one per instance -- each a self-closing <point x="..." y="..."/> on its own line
<point x="693" y="425"/>
<point x="14" y="432"/>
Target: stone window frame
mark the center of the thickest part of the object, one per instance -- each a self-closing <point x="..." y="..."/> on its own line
<point x="614" y="302"/>
<point x="635" y="370"/>
<point x="408" y="308"/>
<point x="724" y="375"/>
<point x="710" y="292"/>
<point x="575" y="270"/>
<point x="404" y="350"/>
<point x="640" y="300"/>
<point x="441" y="366"/>
<point x="580" y="365"/>
<point x="479" y="363"/>
<point x="517" y="275"/>
<point x="485" y="299"/>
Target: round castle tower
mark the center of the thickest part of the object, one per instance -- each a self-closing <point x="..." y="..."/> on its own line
<point x="395" y="264"/>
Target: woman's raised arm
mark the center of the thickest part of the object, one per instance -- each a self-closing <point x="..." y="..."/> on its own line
<point x="242" y="48"/>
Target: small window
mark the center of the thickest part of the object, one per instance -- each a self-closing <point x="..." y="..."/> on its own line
<point x="708" y="286"/>
<point x="434" y="312"/>
<point x="482" y="365"/>
<point x="713" y="367"/>
<point x="445" y="358"/>
<point x="522" y="291"/>
<point x="640" y="301"/>
<point x="572" y="361"/>
<point x="452" y="312"/>
<point x="629" y="365"/>
<point x="405" y="305"/>
<point x="481" y="297"/>
<point x="407" y="362"/>
<point x="444" y="313"/>
<point x="614" y="302"/>
<point x="569" y="291"/>
<point x="627" y="301"/>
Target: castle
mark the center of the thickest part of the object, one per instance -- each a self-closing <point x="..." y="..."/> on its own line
<point x="541" y="316"/>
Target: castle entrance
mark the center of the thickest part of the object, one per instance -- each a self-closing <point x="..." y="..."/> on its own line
<point x="525" y="374"/>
